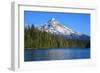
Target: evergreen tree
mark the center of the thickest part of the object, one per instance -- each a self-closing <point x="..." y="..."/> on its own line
<point x="34" y="38"/>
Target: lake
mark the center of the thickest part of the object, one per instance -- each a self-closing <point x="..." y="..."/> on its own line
<point x="56" y="54"/>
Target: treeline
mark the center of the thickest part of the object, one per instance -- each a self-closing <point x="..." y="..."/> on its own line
<point x="34" y="38"/>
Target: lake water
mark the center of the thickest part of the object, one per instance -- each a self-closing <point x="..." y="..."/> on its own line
<point x="56" y="54"/>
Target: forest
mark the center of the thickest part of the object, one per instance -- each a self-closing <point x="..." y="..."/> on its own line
<point x="35" y="39"/>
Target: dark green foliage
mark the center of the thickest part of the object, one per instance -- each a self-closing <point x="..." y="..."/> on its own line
<point x="34" y="38"/>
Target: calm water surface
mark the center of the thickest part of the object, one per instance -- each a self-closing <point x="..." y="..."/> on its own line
<point x="56" y="54"/>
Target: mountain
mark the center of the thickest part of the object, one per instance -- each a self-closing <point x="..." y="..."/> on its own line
<point x="55" y="27"/>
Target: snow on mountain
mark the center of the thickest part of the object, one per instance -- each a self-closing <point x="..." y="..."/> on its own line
<point x="55" y="27"/>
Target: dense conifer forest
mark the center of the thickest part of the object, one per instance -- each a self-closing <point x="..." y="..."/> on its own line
<point x="34" y="38"/>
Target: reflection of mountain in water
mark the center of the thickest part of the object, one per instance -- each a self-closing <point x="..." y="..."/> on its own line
<point x="56" y="54"/>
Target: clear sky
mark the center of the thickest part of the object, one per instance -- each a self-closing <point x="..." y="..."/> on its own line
<point x="77" y="21"/>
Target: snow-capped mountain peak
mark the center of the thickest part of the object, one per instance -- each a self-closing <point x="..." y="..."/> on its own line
<point x="53" y="26"/>
<point x="53" y="19"/>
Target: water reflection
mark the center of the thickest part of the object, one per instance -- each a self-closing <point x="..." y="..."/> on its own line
<point x="56" y="54"/>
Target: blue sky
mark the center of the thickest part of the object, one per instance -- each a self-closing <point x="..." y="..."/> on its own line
<point x="77" y="21"/>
